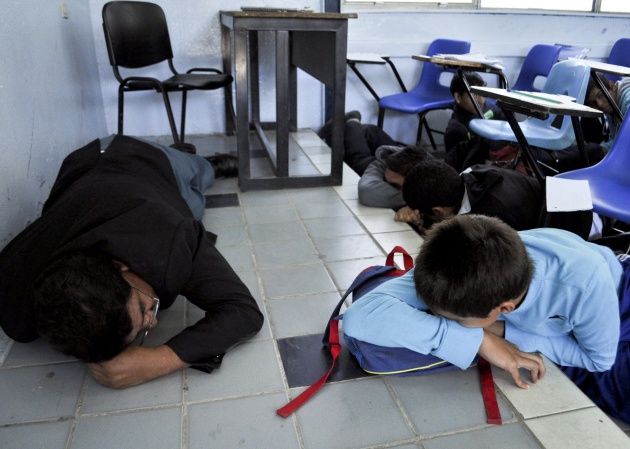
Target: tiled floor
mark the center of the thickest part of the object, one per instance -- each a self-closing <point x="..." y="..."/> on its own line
<point x="297" y="250"/>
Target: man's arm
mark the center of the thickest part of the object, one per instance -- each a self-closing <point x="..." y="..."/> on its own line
<point x="374" y="191"/>
<point x="136" y="365"/>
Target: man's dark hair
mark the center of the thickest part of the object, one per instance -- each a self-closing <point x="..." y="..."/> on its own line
<point x="457" y="83"/>
<point x="469" y="264"/>
<point x="404" y="160"/>
<point x="81" y="306"/>
<point x="432" y="183"/>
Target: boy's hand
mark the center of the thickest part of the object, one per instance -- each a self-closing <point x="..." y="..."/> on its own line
<point x="505" y="355"/>
<point x="136" y="365"/>
<point x="408" y="215"/>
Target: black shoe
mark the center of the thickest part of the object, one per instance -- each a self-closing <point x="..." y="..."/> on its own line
<point x="326" y="132"/>
<point x="225" y="165"/>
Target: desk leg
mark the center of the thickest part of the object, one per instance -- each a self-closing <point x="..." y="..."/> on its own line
<point x="516" y="129"/>
<point x="579" y="138"/>
<point x="242" y="103"/>
<point x="226" y="51"/>
<point x="282" y="103"/>
<point x="254" y="77"/>
<point x="462" y="75"/>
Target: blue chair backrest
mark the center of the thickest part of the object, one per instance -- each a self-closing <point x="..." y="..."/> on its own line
<point x="538" y="62"/>
<point x="430" y="77"/>
<point x="618" y="157"/>
<point x="619" y="55"/>
<point x="570" y="78"/>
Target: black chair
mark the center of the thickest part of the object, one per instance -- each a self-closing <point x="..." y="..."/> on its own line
<point x="137" y="36"/>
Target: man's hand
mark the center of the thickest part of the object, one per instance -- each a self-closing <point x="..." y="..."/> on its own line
<point x="136" y="365"/>
<point x="408" y="215"/>
<point x="505" y="355"/>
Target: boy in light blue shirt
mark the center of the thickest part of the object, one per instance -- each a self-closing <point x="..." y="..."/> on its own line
<point x="479" y="287"/>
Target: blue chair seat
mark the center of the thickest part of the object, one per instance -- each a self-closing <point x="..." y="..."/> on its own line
<point x="565" y="78"/>
<point x="536" y="132"/>
<point x="429" y="94"/>
<point x="410" y="105"/>
<point x="608" y="180"/>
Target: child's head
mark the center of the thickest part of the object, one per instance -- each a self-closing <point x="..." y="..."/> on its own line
<point x="460" y="93"/>
<point x="399" y="163"/>
<point x="595" y="98"/>
<point x="472" y="268"/>
<point x="434" y="189"/>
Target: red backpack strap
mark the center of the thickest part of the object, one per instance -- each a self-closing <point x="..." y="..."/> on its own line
<point x="335" y="349"/>
<point x="488" y="392"/>
<point x="407" y="259"/>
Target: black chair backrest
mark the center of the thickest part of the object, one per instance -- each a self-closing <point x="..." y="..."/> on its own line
<point x="136" y="34"/>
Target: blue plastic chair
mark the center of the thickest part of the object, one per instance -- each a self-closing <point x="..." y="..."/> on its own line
<point x="608" y="180"/>
<point x="565" y="78"/>
<point x="429" y="94"/>
<point x="619" y="55"/>
<point x="538" y="62"/>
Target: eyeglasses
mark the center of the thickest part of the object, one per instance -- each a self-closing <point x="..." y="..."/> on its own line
<point x="154" y="312"/>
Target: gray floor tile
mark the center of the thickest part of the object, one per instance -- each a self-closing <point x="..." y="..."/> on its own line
<point x="344" y="272"/>
<point x="250" y="279"/>
<point x="51" y="391"/>
<point x="313" y="195"/>
<point x="239" y="257"/>
<point x="35" y="436"/>
<point x="301" y="315"/>
<point x="318" y="210"/>
<point x="170" y="323"/>
<point x="353" y="418"/>
<point x="243" y="423"/>
<point x="429" y="401"/>
<point x="250" y="368"/>
<point x="259" y="198"/>
<point x="36" y="353"/>
<point x="333" y="227"/>
<point x="299" y="280"/>
<point x="511" y="436"/>
<point x="159" y="429"/>
<point x="347" y="248"/>
<point x="586" y="429"/>
<point x="223" y="216"/>
<point x="295" y="252"/>
<point x="276" y="232"/>
<point x="271" y="214"/>
<point x="231" y="236"/>
<point x="166" y="390"/>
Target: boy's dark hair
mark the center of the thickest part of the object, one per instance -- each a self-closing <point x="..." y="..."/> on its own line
<point x="404" y="160"/>
<point x="457" y="83"/>
<point x="432" y="183"/>
<point x="469" y="264"/>
<point x="592" y="84"/>
<point x="81" y="306"/>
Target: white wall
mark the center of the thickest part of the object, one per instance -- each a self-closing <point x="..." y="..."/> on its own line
<point x="50" y="101"/>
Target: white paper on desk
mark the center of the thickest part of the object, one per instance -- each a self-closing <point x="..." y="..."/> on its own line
<point x="476" y="56"/>
<point x="568" y="195"/>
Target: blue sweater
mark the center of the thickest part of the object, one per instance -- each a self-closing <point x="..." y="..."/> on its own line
<point x="570" y="313"/>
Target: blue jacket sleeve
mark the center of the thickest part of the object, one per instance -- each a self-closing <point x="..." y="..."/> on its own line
<point x="392" y="315"/>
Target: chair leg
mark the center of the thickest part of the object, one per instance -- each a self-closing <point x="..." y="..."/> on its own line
<point x="171" y="120"/>
<point x="381" y="117"/>
<point x="183" y="122"/>
<point x="424" y="124"/>
<point x="121" y="108"/>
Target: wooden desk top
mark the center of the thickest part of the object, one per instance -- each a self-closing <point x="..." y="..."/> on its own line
<point x="607" y="68"/>
<point x="366" y="58"/>
<point x="447" y="62"/>
<point x="539" y="102"/>
<point x="289" y="15"/>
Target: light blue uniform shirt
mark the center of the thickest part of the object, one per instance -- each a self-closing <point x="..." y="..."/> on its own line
<point x="570" y="313"/>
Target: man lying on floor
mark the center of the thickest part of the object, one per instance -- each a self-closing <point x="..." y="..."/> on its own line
<point x="117" y="240"/>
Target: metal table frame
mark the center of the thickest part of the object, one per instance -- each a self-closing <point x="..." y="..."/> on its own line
<point x="313" y="42"/>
